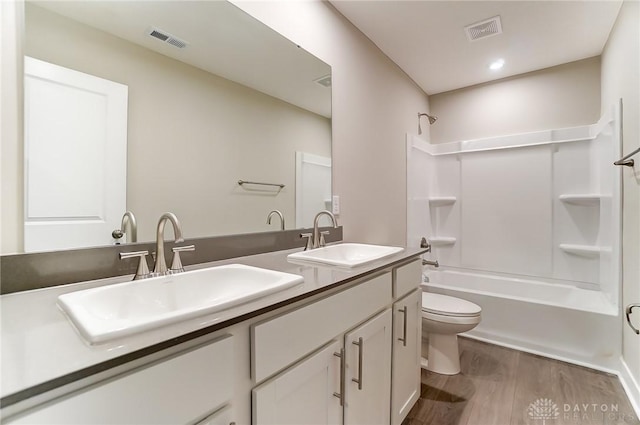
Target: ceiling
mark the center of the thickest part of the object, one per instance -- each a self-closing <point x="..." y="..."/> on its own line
<point x="222" y="40"/>
<point x="428" y="41"/>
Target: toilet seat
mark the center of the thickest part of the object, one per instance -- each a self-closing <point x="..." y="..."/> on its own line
<point x="443" y="305"/>
<point x="452" y="320"/>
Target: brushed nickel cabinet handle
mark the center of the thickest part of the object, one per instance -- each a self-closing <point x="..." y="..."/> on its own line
<point x="340" y="395"/>
<point x="403" y="310"/>
<point x="360" y="355"/>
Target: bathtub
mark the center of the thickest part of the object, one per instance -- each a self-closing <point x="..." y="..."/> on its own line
<point x="552" y="319"/>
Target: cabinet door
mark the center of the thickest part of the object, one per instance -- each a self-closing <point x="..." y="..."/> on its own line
<point x="306" y="393"/>
<point x="176" y="390"/>
<point x="405" y="374"/>
<point x="368" y="372"/>
<point x="222" y="416"/>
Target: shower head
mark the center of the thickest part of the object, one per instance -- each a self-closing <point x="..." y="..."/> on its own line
<point x="432" y="119"/>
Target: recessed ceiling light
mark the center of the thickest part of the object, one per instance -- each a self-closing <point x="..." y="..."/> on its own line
<point x="497" y="64"/>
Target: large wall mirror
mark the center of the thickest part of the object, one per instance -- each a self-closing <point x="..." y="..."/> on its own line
<point x="211" y="96"/>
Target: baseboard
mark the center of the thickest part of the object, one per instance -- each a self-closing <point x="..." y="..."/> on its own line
<point x="540" y="351"/>
<point x="630" y="385"/>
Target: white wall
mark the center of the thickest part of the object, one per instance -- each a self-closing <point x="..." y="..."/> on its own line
<point x="191" y="134"/>
<point x="620" y="79"/>
<point x="11" y="18"/>
<point x="562" y="96"/>
<point x="374" y="104"/>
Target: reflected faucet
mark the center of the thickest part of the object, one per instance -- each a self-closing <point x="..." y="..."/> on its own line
<point x="160" y="267"/>
<point x="278" y="213"/>
<point x="130" y="219"/>
<point x="318" y="236"/>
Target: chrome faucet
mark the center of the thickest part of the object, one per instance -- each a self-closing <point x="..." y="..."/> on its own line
<point x="160" y="267"/>
<point x="278" y="213"/>
<point x="318" y="236"/>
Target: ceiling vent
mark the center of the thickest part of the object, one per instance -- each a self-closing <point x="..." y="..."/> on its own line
<point x="165" y="37"/>
<point x="484" y="29"/>
<point x="324" y="81"/>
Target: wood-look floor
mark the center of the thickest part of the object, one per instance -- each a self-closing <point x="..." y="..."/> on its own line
<point x="500" y="386"/>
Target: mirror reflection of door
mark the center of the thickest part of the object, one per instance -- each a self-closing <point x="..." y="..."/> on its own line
<point x="75" y="157"/>
<point x="313" y="187"/>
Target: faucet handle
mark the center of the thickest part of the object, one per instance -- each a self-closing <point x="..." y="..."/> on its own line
<point x="176" y="264"/>
<point x="309" y="237"/>
<point x="322" y="241"/>
<point x="425" y="244"/>
<point x="143" y="268"/>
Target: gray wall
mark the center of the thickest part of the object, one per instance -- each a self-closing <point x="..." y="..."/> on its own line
<point x="374" y="105"/>
<point x="562" y="96"/>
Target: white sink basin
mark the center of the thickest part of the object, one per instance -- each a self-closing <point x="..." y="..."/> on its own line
<point x="108" y="312"/>
<point x="346" y="254"/>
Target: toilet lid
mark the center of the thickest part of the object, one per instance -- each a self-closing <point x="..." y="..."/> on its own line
<point x="449" y="306"/>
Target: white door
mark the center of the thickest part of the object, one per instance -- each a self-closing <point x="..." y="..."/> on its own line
<point x="368" y="374"/>
<point x="313" y="187"/>
<point x="75" y="157"/>
<point x="405" y="373"/>
<point x="302" y="394"/>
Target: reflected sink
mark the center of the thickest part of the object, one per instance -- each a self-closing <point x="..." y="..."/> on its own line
<point x="108" y="312"/>
<point x="346" y="254"/>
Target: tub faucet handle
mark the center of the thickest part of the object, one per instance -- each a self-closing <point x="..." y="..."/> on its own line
<point x="425" y="244"/>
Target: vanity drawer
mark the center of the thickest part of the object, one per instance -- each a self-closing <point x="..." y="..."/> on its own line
<point x="407" y="278"/>
<point x="281" y="341"/>
<point x="185" y="388"/>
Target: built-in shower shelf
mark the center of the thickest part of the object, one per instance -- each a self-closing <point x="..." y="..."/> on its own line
<point x="441" y="240"/>
<point x="439" y="201"/>
<point x="582" y="199"/>
<point x="589" y="251"/>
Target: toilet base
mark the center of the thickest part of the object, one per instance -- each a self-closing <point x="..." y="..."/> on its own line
<point x="443" y="356"/>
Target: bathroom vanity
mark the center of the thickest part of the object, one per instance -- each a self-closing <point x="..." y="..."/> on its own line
<point x="341" y="347"/>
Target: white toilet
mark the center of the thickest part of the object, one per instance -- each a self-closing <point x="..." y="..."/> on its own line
<point x="443" y="318"/>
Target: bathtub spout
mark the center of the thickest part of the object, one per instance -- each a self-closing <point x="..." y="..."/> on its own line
<point x="430" y="263"/>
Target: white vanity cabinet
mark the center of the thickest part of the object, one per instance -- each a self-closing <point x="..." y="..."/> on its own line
<point x="352" y="358"/>
<point x="368" y="372"/>
<point x="359" y="314"/>
<point x="347" y="356"/>
<point x="306" y="393"/>
<point x="407" y="335"/>
<point x="222" y="416"/>
<point x="192" y="386"/>
<point x="349" y="381"/>
<point x="407" y="340"/>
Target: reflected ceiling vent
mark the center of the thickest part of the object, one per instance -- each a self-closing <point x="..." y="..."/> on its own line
<point x="484" y="29"/>
<point x="165" y="37"/>
<point x="324" y="81"/>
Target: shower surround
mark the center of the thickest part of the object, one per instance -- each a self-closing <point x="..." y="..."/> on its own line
<point x="528" y="227"/>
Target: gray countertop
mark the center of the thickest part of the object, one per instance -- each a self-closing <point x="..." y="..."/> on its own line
<point x="40" y="350"/>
